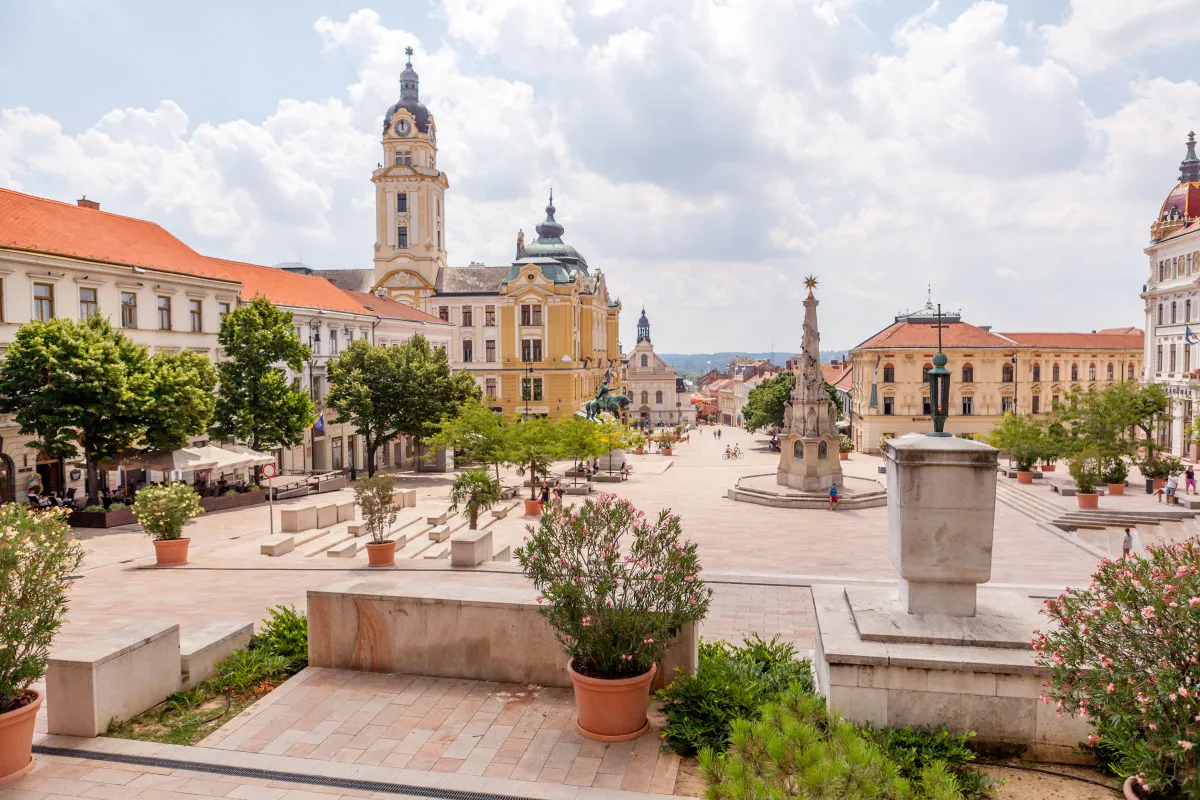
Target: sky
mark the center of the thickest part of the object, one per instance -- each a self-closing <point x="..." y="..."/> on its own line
<point x="706" y="155"/>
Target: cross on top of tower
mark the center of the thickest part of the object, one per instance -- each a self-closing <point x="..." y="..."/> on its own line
<point x="408" y="51"/>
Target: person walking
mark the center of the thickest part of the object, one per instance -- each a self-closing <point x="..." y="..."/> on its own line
<point x="1172" y="488"/>
<point x="1126" y="545"/>
<point x="545" y="495"/>
<point x="833" y="498"/>
<point x="1189" y="480"/>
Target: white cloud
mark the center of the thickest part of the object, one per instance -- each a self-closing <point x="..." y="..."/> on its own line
<point x="489" y="25"/>
<point x="1100" y="33"/>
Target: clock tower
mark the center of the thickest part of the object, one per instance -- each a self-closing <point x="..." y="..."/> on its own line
<point x="410" y="229"/>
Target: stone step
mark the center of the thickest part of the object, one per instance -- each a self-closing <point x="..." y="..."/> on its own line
<point x="278" y="545"/>
<point x="344" y="549"/>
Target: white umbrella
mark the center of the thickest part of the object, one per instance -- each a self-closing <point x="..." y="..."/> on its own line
<point x="259" y="458"/>
<point x="186" y="459"/>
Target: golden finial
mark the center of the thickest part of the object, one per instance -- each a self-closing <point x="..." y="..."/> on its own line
<point x="810" y="283"/>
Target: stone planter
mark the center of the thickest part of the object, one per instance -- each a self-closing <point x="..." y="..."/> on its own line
<point x="843" y="456"/>
<point x="1024" y="476"/>
<point x="641" y="451"/>
<point x="16" y="740"/>
<point x="120" y="515"/>
<point x="611" y="710"/>
<point x="533" y="508"/>
<point x="171" y="552"/>
<point x="1128" y="790"/>
<point x="382" y="554"/>
<point x="239" y="500"/>
<point x="1115" y="489"/>
<point x="1048" y="467"/>
<point x="666" y="451"/>
<point x="1088" y="500"/>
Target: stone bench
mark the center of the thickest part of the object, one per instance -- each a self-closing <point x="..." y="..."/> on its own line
<point x="607" y="477"/>
<point x="448" y="630"/>
<point x="356" y="528"/>
<point x="278" y="546"/>
<point x="201" y="649"/>
<point x="500" y="513"/>
<point x="439" y="533"/>
<point x="327" y="516"/>
<point x="437" y="519"/>
<point x="505" y="554"/>
<point x="346" y="512"/>
<point x="508" y="492"/>
<point x="295" y="520"/>
<point x="470" y="548"/>
<point x="116" y="674"/>
<point x="343" y="550"/>
<point x="583" y="488"/>
<point x="406" y="496"/>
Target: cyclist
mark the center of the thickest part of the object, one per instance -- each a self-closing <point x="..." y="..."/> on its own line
<point x="728" y="451"/>
<point x="737" y="452"/>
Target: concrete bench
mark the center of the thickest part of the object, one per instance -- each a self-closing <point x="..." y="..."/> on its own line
<point x="404" y="498"/>
<point x="500" y="513"/>
<point x="344" y="550"/>
<point x="295" y="520"/>
<point x="201" y="649"/>
<point x="346" y="512"/>
<point x="116" y="674"/>
<point x="608" y="477"/>
<point x="327" y="515"/>
<point x="470" y="548"/>
<point x="583" y="488"/>
<point x="278" y="546"/>
<point x="437" y="519"/>
<point x="505" y="554"/>
<point x="439" y="533"/>
<point x="508" y="492"/>
<point x="356" y="528"/>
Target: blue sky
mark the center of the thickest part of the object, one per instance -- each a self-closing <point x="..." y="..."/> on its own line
<point x="706" y="154"/>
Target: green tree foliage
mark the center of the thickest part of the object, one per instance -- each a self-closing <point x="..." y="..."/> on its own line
<point x="426" y="390"/>
<point x="579" y="438"/>
<point x="1022" y="436"/>
<point x="532" y="447"/>
<point x="479" y="432"/>
<point x="375" y="498"/>
<point x="162" y="511"/>
<point x="364" y="390"/>
<point x="256" y="403"/>
<point x="765" y="403"/>
<point x="84" y="386"/>
<point x="474" y="490"/>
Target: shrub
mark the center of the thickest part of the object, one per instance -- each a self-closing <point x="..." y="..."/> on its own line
<point x="730" y="683"/>
<point x="163" y="510"/>
<point x="37" y="557"/>
<point x="1085" y="469"/>
<point x="96" y="509"/>
<point x="1113" y="470"/>
<point x="914" y="749"/>
<point x="1124" y="653"/>
<point x="374" y="498"/>
<point x="796" y="749"/>
<point x="613" y="609"/>
<point x="475" y="490"/>
<point x="243" y="670"/>
<point x="845" y="444"/>
<point x="1023" y="437"/>
<point x="285" y="633"/>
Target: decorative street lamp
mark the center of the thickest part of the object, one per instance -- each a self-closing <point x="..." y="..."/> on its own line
<point x="939" y="384"/>
<point x="528" y="387"/>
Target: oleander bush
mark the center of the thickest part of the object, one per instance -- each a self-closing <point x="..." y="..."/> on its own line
<point x="162" y="511"/>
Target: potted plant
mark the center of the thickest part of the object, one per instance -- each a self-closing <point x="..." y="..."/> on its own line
<point x="845" y="447"/>
<point x="1024" y="438"/>
<point x="162" y="511"/>
<point x="1085" y="469"/>
<point x="637" y="440"/>
<point x="1053" y="446"/>
<point x="474" y="490"/>
<point x="374" y="496"/>
<point x="1114" y="472"/>
<point x="883" y="442"/>
<point x="666" y="440"/>
<point x="37" y="557"/>
<point x="615" y="587"/>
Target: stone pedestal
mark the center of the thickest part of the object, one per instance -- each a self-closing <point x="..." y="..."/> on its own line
<point x="613" y="461"/>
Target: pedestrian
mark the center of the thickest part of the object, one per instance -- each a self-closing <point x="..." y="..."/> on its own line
<point x="558" y="496"/>
<point x="1189" y="480"/>
<point x="1172" y="488"/>
<point x="1126" y="545"/>
<point x="833" y="498"/>
<point x="718" y="433"/>
<point x="545" y="494"/>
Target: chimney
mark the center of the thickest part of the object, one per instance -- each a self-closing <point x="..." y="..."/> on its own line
<point x="83" y="202"/>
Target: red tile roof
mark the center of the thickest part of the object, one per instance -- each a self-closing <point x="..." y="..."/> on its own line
<point x="837" y="376"/>
<point x="919" y="334"/>
<point x="1103" y="340"/>
<point x="39" y="225"/>
<point x="391" y="309"/>
<point x="285" y="288"/>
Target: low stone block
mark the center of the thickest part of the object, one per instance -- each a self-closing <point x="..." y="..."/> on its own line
<point x="356" y="528"/>
<point x="439" y="533"/>
<point x="327" y="516"/>
<point x="504" y="555"/>
<point x="404" y="498"/>
<point x="859" y="704"/>
<point x="508" y="492"/>
<point x="470" y="548"/>
<point x="905" y="678"/>
<point x="994" y="719"/>
<point x="1065" y="730"/>
<point x="500" y="513"/>
<point x="582" y="488"/>
<point x="961" y="682"/>
<point x="344" y="550"/>
<point x="278" y="546"/>
<point x="437" y="519"/>
<point x="201" y="649"/>
<point x="1020" y="686"/>
<point x="116" y="674"/>
<point x="604" y="477"/>
<point x="346" y="512"/>
<point x="843" y="675"/>
<point x="295" y="520"/>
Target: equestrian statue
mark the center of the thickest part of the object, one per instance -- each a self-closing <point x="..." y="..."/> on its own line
<point x="606" y="401"/>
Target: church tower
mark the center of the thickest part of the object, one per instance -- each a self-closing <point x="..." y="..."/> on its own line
<point x="410" y="228"/>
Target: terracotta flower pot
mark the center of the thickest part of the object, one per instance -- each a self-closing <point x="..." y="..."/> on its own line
<point x="1160" y="483"/>
<point x="533" y="508"/>
<point x="666" y="451"/>
<point x="1115" y="489"/>
<point x="843" y="456"/>
<point x="611" y="710"/>
<point x="1024" y="476"/>
<point x="641" y="451"/>
<point x="1088" y="500"/>
<point x="1129" y="791"/>
<point x="16" y="739"/>
<point x="382" y="554"/>
<point x="1048" y="467"/>
<point x="171" y="552"/>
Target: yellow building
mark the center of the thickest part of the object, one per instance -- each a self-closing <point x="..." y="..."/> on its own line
<point x="539" y="335"/>
<point x="991" y="373"/>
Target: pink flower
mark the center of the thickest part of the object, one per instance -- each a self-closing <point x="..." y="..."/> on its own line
<point x="1112" y="687"/>
<point x="1148" y="612"/>
<point x="659" y="578"/>
<point x="1185" y="744"/>
<point x="540" y="598"/>
<point x="648" y="640"/>
<point x="1153" y="727"/>
<point x="587" y="622"/>
<point x="690" y="578"/>
<point x="1195" y="601"/>
<point x="1183" y="692"/>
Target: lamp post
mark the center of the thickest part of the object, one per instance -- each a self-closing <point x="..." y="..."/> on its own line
<point x="528" y="387"/>
<point x="939" y="384"/>
<point x="314" y="344"/>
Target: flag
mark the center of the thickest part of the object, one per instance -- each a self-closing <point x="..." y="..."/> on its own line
<point x="1188" y="336"/>
<point x="319" y="425"/>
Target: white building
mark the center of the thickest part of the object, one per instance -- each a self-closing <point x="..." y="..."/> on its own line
<point x="1172" y="298"/>
<point x="658" y="395"/>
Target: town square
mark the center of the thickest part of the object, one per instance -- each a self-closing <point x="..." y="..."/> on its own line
<point x="600" y="401"/>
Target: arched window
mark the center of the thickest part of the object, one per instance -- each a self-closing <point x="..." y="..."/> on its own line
<point x="645" y="360"/>
<point x="889" y="373"/>
<point x="1130" y="371"/>
<point x="1006" y="372"/>
<point x="1054" y="374"/>
<point x="822" y="450"/>
<point x="925" y="373"/>
<point x="798" y="450"/>
<point x="968" y="373"/>
<point x="645" y="398"/>
<point x="658" y="398"/>
<point x="1091" y="372"/>
<point x="1074" y="372"/>
<point x="1160" y="313"/>
<point x="1110" y="371"/>
<point x="1173" y="319"/>
<point x="1037" y="373"/>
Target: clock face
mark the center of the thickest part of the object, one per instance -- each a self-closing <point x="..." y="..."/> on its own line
<point x="403" y="128"/>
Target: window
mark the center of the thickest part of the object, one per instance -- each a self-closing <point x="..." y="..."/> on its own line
<point x="1006" y="372"/>
<point x="88" y="307"/>
<point x="889" y="373"/>
<point x="402" y="237"/>
<point x="968" y="406"/>
<point x="349" y="334"/>
<point x="335" y="446"/>
<point x="1054" y="374"/>
<point x="404" y="158"/>
<point x="195" y="316"/>
<point x="222" y="311"/>
<point x="968" y="373"/>
<point x="129" y="309"/>
<point x="1091" y="372"/>
<point x="43" y="301"/>
<point x="318" y="389"/>
<point x="1053" y="400"/>
<point x="658" y="398"/>
<point x="1172" y="359"/>
<point x="1037" y="404"/>
<point x="531" y="315"/>
<point x="925" y="373"/>
<point x="1173" y="320"/>
<point x="645" y="398"/>
<point x="489" y="387"/>
<point x="1160" y="313"/>
<point x="1130" y="372"/>
<point x="468" y="319"/>
<point x="402" y="203"/>
<point x="164" y="313"/>
<point x="333" y="342"/>
<point x="1037" y="373"/>
<point x="1160" y="274"/>
<point x="645" y="360"/>
<point x="1006" y="405"/>
<point x="1158" y="359"/>
<point x="531" y="390"/>
<point x="444" y="313"/>
<point x="531" y="349"/>
<point x="1187" y="311"/>
<point x="468" y="350"/>
<point x="489" y="350"/>
<point x="489" y="315"/>
<point x="1110" y="366"/>
<point x="439" y="239"/>
<point x="889" y="406"/>
<point x="926" y="407"/>
<point x="1074" y="372"/>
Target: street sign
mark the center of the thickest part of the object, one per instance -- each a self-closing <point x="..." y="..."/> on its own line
<point x="268" y="470"/>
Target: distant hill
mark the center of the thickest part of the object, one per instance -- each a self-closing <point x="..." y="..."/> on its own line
<point x="703" y="362"/>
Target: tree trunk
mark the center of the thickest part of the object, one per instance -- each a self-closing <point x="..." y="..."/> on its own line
<point x="92" y="490"/>
<point x="533" y="480"/>
<point x="370" y="448"/>
<point x="474" y="517"/>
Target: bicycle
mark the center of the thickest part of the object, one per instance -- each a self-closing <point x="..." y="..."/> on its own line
<point x="733" y="454"/>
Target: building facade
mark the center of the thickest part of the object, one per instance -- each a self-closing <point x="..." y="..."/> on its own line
<point x="991" y="373"/>
<point x="659" y="396"/>
<point x="1172" y="302"/>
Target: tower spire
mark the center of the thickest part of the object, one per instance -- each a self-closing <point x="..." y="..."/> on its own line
<point x="409" y="82"/>
<point x="550" y="229"/>
<point x="1189" y="168"/>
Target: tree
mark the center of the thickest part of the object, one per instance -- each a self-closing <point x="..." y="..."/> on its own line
<point x="1024" y="437"/>
<point x="256" y="403"/>
<point x="579" y="439"/>
<point x="766" y="402"/>
<point x="363" y="390"/>
<point x="532" y="447"/>
<point x="426" y="389"/>
<point x="476" y="430"/>
<point x="376" y="500"/>
<point x="84" y="386"/>
<point x="474" y="490"/>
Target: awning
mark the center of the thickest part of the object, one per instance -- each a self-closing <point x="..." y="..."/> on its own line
<point x="185" y="459"/>
<point x="224" y="459"/>
<point x="259" y="458"/>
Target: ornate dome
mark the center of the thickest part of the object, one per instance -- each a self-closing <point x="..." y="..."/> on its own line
<point x="409" y="98"/>
<point x="549" y="243"/>
<point x="1183" y="202"/>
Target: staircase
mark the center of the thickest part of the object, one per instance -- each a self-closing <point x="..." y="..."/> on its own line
<point x="1039" y="509"/>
